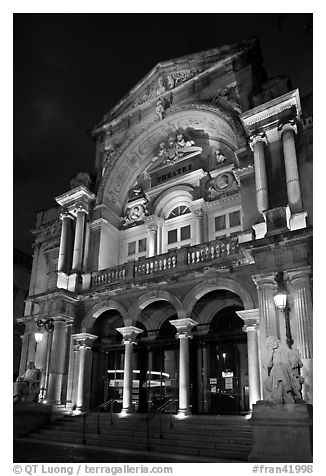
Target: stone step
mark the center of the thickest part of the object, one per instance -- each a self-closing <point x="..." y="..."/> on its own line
<point x="224" y="451"/>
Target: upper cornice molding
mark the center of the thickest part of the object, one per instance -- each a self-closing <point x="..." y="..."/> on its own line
<point x="72" y="197"/>
<point x="271" y="110"/>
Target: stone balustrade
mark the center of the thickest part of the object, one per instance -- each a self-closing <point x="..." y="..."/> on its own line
<point x="156" y="264"/>
<point x="109" y="275"/>
<point x="222" y="250"/>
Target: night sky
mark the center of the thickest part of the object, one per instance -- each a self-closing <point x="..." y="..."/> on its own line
<point x="70" y="69"/>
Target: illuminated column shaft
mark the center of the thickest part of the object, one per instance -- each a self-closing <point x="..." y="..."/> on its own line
<point x="62" y="260"/>
<point x="79" y="241"/>
<point x="268" y="324"/>
<point x="152" y="241"/>
<point x="257" y="145"/>
<point x="302" y="309"/>
<point x="251" y="319"/>
<point x="291" y="168"/>
<point x="129" y="337"/>
<point x="199" y="226"/>
<point x="184" y="327"/>
<point x="58" y="355"/>
<point x="84" y="349"/>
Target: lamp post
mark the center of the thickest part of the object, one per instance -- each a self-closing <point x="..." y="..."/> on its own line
<point x="280" y="300"/>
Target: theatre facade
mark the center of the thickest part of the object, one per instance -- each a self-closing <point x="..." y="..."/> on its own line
<point x="159" y="271"/>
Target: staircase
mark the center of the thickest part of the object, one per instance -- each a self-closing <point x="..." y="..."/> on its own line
<point x="210" y="436"/>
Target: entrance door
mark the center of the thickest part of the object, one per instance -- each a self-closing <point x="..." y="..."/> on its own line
<point x="158" y="369"/>
<point x="219" y="370"/>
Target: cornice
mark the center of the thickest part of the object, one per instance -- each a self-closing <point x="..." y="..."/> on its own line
<point x="75" y="195"/>
<point x="99" y="222"/>
<point x="272" y="108"/>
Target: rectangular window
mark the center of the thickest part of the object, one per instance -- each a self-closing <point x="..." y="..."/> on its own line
<point x="172" y="236"/>
<point x="131" y="248"/>
<point x="220" y="223"/>
<point x="185" y="232"/>
<point x="235" y="219"/>
<point x="142" y="245"/>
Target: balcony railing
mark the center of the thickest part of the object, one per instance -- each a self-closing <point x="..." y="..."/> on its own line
<point x="219" y="251"/>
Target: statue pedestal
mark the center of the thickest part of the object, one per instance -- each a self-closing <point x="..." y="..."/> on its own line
<point x="281" y="433"/>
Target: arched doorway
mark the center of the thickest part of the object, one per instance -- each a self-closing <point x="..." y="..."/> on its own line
<point x="108" y="359"/>
<point x="218" y="356"/>
<point x="156" y="356"/>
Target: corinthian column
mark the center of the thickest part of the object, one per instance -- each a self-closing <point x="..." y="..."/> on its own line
<point x="184" y="327"/>
<point x="62" y="260"/>
<point x="288" y="132"/>
<point x="251" y="319"/>
<point x="129" y="339"/>
<point x="79" y="240"/>
<point x="268" y="323"/>
<point x="302" y="309"/>
<point x="257" y="146"/>
<point x="58" y="355"/>
<point x="84" y="342"/>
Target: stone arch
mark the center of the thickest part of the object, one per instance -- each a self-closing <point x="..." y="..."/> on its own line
<point x="136" y="153"/>
<point x="95" y="311"/>
<point x="212" y="308"/>
<point x="218" y="283"/>
<point x="148" y="298"/>
<point x="179" y="194"/>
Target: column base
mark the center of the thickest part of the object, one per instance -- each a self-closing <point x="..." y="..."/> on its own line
<point x="182" y="413"/>
<point x="260" y="230"/>
<point x="298" y="221"/>
<point x="127" y="411"/>
<point x="74" y="282"/>
<point x="62" y="280"/>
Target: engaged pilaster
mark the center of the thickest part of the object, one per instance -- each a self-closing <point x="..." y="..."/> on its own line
<point x="129" y="334"/>
<point x="251" y="320"/>
<point x="184" y="327"/>
<point x="302" y="309"/>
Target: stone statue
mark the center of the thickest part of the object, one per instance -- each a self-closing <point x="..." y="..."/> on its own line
<point x="284" y="381"/>
<point x="159" y="109"/>
<point x="81" y="178"/>
<point x="27" y="386"/>
<point x="220" y="158"/>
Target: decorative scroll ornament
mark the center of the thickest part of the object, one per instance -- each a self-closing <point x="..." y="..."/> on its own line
<point x="221" y="184"/>
<point x="176" y="148"/>
<point x="136" y="209"/>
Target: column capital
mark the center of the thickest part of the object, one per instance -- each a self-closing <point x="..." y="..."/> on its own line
<point x="65" y="214"/>
<point x="250" y="318"/>
<point x="300" y="273"/>
<point x="289" y="125"/>
<point x="197" y="207"/>
<point x="153" y="222"/>
<point x="264" y="279"/>
<point x="129" y="334"/>
<point x="258" y="137"/>
<point x="80" y="207"/>
<point x="83" y="340"/>
<point x="183" y="326"/>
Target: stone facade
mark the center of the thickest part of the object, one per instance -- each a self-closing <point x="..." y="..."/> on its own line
<point x="160" y="275"/>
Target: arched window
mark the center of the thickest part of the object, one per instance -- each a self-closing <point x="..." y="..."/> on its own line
<point x="178" y="211"/>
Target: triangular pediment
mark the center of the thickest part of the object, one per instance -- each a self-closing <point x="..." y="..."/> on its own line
<point x="166" y="76"/>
